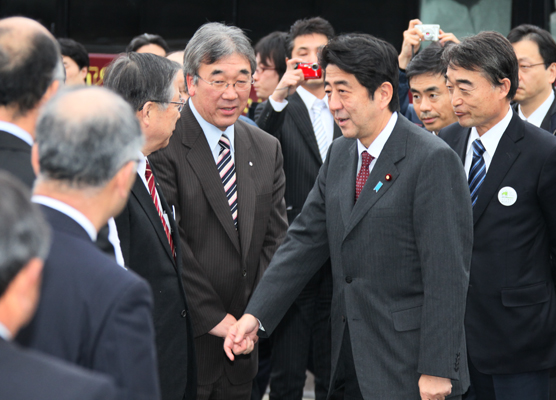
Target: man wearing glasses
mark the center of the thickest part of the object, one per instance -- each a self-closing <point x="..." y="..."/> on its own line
<point x="226" y="181"/>
<point x="536" y="53"/>
<point x="147" y="231"/>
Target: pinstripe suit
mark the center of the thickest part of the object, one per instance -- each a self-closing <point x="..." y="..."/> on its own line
<point x="307" y="321"/>
<point x="400" y="262"/>
<point x="222" y="265"/>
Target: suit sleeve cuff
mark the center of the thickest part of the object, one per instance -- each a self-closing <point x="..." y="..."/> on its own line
<point x="278" y="107"/>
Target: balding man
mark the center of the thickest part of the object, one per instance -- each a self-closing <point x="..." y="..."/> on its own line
<point x="30" y="72"/>
<point x="92" y="312"/>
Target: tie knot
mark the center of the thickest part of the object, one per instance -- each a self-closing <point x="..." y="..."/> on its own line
<point x="478" y="147"/>
<point x="224" y="142"/>
<point x="366" y="159"/>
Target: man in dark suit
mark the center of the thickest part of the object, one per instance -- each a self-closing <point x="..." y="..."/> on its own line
<point x="92" y="312"/>
<point x="226" y="181"/>
<point x="390" y="207"/>
<point x="510" y="318"/>
<point x="305" y="128"/>
<point x="24" y="243"/>
<point x="34" y="71"/>
<point x="535" y="101"/>
<point x="146" y="228"/>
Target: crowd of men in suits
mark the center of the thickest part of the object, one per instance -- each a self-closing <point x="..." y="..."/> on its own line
<point x="145" y="247"/>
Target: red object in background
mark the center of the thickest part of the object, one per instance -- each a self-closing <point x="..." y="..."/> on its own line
<point x="97" y="65"/>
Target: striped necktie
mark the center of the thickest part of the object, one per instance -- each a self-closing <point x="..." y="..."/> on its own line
<point x="152" y="190"/>
<point x="323" y="139"/>
<point x="477" y="172"/>
<point x="227" y="171"/>
<point x="363" y="174"/>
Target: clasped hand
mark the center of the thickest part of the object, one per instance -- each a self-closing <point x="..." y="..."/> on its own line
<point x="242" y="336"/>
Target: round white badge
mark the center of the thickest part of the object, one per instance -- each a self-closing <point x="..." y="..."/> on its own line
<point x="507" y="196"/>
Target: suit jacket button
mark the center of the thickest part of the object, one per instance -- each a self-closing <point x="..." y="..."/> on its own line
<point x="183" y="313"/>
<point x="349" y="279"/>
<point x="244" y="273"/>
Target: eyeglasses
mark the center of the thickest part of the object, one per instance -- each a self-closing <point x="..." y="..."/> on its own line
<point x="180" y="103"/>
<point x="261" y="70"/>
<point x="527" y="68"/>
<point x="220" y="86"/>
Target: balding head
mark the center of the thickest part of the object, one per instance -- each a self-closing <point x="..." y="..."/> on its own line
<point x="85" y="135"/>
<point x="30" y="61"/>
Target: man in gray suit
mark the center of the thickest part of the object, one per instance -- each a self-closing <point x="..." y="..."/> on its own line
<point x="391" y="208"/>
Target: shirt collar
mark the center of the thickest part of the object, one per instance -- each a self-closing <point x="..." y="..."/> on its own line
<point x="71" y="212"/>
<point x="538" y="115"/>
<point x="309" y="98"/>
<point x="378" y="144"/>
<point x="5" y="333"/>
<point x="17" y="132"/>
<point x="212" y="133"/>
<point x="491" y="137"/>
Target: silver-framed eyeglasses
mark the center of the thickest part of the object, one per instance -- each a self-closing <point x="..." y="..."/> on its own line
<point x="180" y="103"/>
<point x="527" y="67"/>
<point x="239" y="85"/>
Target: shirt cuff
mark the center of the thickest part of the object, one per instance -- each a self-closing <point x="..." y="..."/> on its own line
<point x="278" y="107"/>
<point x="261" y="325"/>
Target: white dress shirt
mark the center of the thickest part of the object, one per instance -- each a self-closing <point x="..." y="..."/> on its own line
<point x="377" y="145"/>
<point x="490" y="140"/>
<point x="5" y="333"/>
<point x="17" y="132"/>
<point x="538" y="115"/>
<point x="213" y="134"/>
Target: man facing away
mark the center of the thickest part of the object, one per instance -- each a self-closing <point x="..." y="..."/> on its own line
<point x="92" y="312"/>
<point x="390" y="207"/>
<point x="226" y="182"/>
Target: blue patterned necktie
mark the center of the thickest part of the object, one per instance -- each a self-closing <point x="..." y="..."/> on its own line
<point x="323" y="140"/>
<point x="477" y="172"/>
<point x="227" y="171"/>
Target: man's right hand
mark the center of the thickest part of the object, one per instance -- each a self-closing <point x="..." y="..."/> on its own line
<point x="291" y="79"/>
<point x="411" y="40"/>
<point x="221" y="330"/>
<point x="242" y="336"/>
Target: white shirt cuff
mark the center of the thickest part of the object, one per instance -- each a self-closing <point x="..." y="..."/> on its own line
<point x="278" y="107"/>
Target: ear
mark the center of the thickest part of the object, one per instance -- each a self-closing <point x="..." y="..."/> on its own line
<point x="144" y="115"/>
<point x="191" y="87"/>
<point x="124" y="178"/>
<point x="50" y="92"/>
<point x="552" y="73"/>
<point x="35" y="159"/>
<point x="83" y="73"/>
<point x="504" y="87"/>
<point x="384" y="93"/>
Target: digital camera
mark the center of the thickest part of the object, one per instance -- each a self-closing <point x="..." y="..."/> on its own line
<point x="431" y="31"/>
<point x="310" y="70"/>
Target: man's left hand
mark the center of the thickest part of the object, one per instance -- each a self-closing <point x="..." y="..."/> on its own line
<point x="434" y="387"/>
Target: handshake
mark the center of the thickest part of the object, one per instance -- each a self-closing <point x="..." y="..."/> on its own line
<point x="241" y="336"/>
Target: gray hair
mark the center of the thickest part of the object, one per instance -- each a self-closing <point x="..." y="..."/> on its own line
<point x="85" y="135"/>
<point x="139" y="78"/>
<point x="24" y="234"/>
<point x="212" y="42"/>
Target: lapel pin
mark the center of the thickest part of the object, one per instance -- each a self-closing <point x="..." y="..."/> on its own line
<point x="388" y="177"/>
<point x="378" y="186"/>
<point x="250" y="164"/>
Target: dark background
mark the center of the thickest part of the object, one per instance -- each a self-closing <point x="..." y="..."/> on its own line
<point x="106" y="26"/>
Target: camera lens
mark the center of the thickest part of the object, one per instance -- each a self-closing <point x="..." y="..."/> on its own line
<point x="315" y="66"/>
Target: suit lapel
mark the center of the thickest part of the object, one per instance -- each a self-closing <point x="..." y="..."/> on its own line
<point x="393" y="151"/>
<point x="301" y="118"/>
<point x="337" y="132"/>
<point x="460" y="143"/>
<point x="347" y="184"/>
<point x="547" y="123"/>
<point x="202" y="162"/>
<point x="246" y="195"/>
<point x="505" y="155"/>
<point x="140" y="192"/>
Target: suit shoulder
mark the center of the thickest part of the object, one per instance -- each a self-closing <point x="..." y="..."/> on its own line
<point x="451" y="131"/>
<point x="255" y="133"/>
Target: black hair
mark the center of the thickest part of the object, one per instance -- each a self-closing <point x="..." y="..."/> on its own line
<point x="309" y="26"/>
<point x="146" y="38"/>
<point x="74" y="50"/>
<point x="543" y="39"/>
<point x="489" y="53"/>
<point x="428" y="61"/>
<point x="371" y="60"/>
<point x="27" y="71"/>
<point x="273" y="47"/>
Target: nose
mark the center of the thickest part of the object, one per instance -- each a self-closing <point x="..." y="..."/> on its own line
<point x="456" y="98"/>
<point x="256" y="75"/>
<point x="520" y="74"/>
<point x="334" y="102"/>
<point x="425" y="104"/>
<point x="230" y="93"/>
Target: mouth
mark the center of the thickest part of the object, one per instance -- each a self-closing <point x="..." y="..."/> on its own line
<point x="228" y="111"/>
<point x="428" y="120"/>
<point x="341" y="121"/>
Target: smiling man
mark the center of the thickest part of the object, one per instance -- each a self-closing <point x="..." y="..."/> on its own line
<point x="390" y="207"/>
<point x="226" y="182"/>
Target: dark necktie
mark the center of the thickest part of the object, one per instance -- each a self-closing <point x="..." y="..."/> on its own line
<point x="227" y="171"/>
<point x="477" y="172"/>
<point x="152" y="190"/>
<point x="363" y="174"/>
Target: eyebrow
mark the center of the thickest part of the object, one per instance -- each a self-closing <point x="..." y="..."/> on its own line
<point x="345" y="83"/>
<point x="464" y="82"/>
<point x="219" y="71"/>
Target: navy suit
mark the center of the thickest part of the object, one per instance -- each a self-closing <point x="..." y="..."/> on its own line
<point x="15" y="157"/>
<point x="94" y="313"/>
<point x="26" y="375"/>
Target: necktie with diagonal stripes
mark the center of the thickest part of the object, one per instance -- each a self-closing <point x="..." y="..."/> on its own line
<point x="477" y="172"/>
<point x="152" y="190"/>
<point x="323" y="140"/>
<point x="227" y="171"/>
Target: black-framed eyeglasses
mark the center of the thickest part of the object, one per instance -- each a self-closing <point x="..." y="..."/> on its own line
<point x="240" y="85"/>
<point x="260" y="70"/>
<point x="527" y="67"/>
<point x="180" y="103"/>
